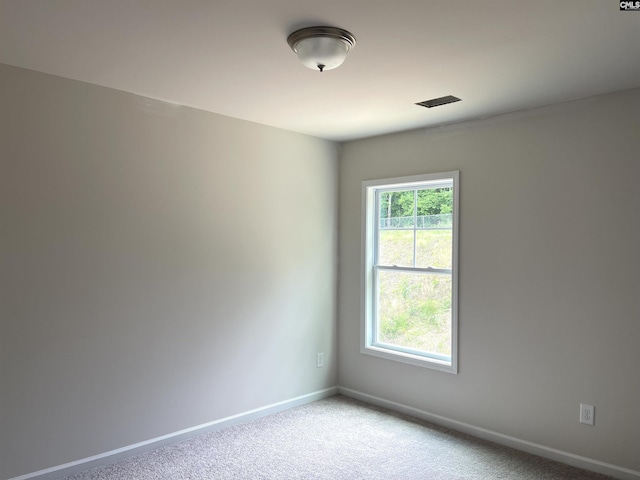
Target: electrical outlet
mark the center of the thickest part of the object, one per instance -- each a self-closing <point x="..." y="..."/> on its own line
<point x="320" y="360"/>
<point x="587" y="413"/>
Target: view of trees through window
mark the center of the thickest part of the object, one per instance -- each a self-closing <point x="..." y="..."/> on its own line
<point x="414" y="306"/>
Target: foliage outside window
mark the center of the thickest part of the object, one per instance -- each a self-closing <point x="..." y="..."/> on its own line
<point x="410" y="270"/>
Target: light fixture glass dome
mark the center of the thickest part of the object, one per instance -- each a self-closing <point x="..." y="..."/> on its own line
<point x="321" y="48"/>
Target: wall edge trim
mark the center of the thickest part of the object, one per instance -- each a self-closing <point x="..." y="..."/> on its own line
<point x="579" y="461"/>
<point x="153" y="443"/>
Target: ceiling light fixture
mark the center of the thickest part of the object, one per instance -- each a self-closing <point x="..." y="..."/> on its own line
<point x="321" y="48"/>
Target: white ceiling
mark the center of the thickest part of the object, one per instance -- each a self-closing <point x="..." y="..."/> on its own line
<point x="231" y="56"/>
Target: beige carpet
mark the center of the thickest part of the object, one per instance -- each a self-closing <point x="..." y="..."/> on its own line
<point x="336" y="439"/>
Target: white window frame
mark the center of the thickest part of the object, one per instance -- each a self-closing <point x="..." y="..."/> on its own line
<point x="370" y="225"/>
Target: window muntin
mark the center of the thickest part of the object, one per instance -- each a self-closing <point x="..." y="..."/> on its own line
<point x="410" y="279"/>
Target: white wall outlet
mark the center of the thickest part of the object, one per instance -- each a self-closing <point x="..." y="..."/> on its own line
<point x="320" y="360"/>
<point x="587" y="413"/>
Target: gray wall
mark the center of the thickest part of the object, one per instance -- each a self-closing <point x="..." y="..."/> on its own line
<point x="161" y="267"/>
<point x="549" y="274"/>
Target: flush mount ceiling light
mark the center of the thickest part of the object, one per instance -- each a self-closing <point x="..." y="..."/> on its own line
<point x="321" y="48"/>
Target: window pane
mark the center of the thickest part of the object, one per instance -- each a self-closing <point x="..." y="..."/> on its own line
<point x="395" y="247"/>
<point x="434" y="248"/>
<point x="396" y="209"/>
<point x="435" y="201"/>
<point x="414" y="311"/>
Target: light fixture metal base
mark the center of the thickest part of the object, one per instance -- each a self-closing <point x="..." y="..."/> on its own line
<point x="315" y="32"/>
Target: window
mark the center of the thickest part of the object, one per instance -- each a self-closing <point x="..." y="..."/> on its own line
<point x="410" y="256"/>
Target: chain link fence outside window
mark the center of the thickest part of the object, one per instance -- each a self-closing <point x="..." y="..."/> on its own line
<point x="442" y="221"/>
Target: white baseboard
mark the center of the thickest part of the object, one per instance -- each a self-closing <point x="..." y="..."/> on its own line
<point x="516" y="443"/>
<point x="151" y="444"/>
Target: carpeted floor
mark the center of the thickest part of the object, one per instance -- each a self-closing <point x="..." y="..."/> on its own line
<point x="336" y="439"/>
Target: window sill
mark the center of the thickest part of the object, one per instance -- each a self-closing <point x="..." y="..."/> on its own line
<point x="410" y="359"/>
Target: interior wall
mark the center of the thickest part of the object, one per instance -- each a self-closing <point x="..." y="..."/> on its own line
<point x="549" y="310"/>
<point x="161" y="267"/>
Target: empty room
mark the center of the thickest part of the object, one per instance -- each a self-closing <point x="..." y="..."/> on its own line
<point x="319" y="240"/>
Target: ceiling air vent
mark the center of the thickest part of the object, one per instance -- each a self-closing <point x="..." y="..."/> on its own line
<point x="436" y="102"/>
